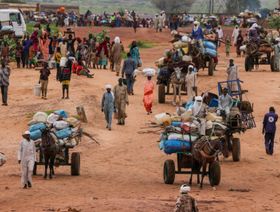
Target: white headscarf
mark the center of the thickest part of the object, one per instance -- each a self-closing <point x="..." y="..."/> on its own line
<point x="254" y="26"/>
<point x="195" y="28"/>
<point x="117" y="40"/>
<point x="197" y="105"/>
<point x="108" y="86"/>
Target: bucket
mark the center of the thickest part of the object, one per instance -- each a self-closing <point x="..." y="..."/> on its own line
<point x="37" y="90"/>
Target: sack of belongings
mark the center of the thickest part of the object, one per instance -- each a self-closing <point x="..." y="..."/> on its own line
<point x="52" y="118"/>
<point x="149" y="72"/>
<point x="65" y="133"/>
<point x="40" y="117"/>
<point x="60" y="125"/>
<point x="163" y="119"/>
<point x="185" y="137"/>
<point x="2" y="159"/>
<point x="61" y="113"/>
<point x="38" y="126"/>
<point x="209" y="45"/>
<point x="35" y="135"/>
<point x="175" y="146"/>
<point x="73" y="121"/>
<point x="180" y="44"/>
<point x="211" y="52"/>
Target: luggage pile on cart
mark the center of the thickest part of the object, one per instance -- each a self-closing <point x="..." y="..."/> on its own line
<point x="67" y="134"/>
<point x="62" y="127"/>
<point x="181" y="132"/>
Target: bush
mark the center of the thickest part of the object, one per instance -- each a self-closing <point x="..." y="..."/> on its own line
<point x="274" y="22"/>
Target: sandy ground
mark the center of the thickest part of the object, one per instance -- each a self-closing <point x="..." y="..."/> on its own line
<point x="124" y="173"/>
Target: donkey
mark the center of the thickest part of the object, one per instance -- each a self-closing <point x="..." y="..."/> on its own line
<point x="49" y="149"/>
<point x="177" y="80"/>
<point x="204" y="152"/>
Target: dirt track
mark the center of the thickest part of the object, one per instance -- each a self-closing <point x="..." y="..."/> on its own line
<point x="125" y="172"/>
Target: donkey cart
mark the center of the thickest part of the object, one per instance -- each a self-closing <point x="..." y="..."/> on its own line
<point x="185" y="161"/>
<point x="256" y="56"/>
<point x="63" y="155"/>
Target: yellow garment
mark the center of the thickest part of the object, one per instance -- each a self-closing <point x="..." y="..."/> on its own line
<point x="65" y="82"/>
<point x="57" y="57"/>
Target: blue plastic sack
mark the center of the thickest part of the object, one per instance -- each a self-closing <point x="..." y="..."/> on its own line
<point x="35" y="135"/>
<point x="175" y="146"/>
<point x="209" y="45"/>
<point x="65" y="133"/>
<point x="61" y="113"/>
<point x="176" y="123"/>
<point x="214" y="103"/>
<point x="39" y="126"/>
<point x="211" y="52"/>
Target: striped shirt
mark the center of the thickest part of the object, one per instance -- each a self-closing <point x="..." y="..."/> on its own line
<point x="4" y="76"/>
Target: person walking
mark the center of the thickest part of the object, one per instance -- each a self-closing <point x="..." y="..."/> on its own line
<point x="228" y="44"/>
<point x="232" y="72"/>
<point x="117" y="55"/>
<point x="121" y="100"/>
<point x="148" y="94"/>
<point x="276" y="48"/>
<point x="5" y="72"/>
<point x="27" y="43"/>
<point x="57" y="58"/>
<point x="220" y="32"/>
<point x="27" y="158"/>
<point x="239" y="43"/>
<point x="19" y="51"/>
<point x="185" y="202"/>
<point x="269" y="130"/>
<point x="191" y="81"/>
<point x="135" y="54"/>
<point x="235" y="34"/>
<point x="65" y="78"/>
<point x="44" y="80"/>
<point x="128" y="69"/>
<point x="107" y="106"/>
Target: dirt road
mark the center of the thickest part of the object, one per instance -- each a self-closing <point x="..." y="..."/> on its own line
<point x="125" y="172"/>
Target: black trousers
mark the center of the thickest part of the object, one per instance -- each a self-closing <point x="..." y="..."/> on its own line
<point x="4" y="92"/>
<point x="269" y="142"/>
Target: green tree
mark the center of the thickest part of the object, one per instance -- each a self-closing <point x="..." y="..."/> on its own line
<point x="171" y="6"/>
<point x="274" y="22"/>
<point x="237" y="6"/>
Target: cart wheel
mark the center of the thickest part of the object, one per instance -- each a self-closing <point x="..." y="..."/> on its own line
<point x="35" y="169"/>
<point x="248" y="65"/>
<point x="169" y="172"/>
<point x="211" y="66"/>
<point x="161" y="93"/>
<point x="236" y="149"/>
<point x="272" y="63"/>
<point x="75" y="164"/>
<point x="214" y="173"/>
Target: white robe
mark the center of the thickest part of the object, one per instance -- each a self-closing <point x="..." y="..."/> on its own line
<point x="233" y="75"/>
<point x="235" y="34"/>
<point x="191" y="79"/>
<point x="27" y="156"/>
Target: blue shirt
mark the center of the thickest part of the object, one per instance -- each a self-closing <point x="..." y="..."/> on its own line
<point x="269" y="122"/>
<point x="198" y="34"/>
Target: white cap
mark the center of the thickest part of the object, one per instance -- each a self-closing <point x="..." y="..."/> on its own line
<point x="26" y="133"/>
<point x="190" y="66"/>
<point x="117" y="40"/>
<point x="185" y="189"/>
<point x="198" y="98"/>
<point x="196" y="23"/>
<point x="108" y="86"/>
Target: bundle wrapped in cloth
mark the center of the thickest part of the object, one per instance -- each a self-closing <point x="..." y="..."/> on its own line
<point x="149" y="72"/>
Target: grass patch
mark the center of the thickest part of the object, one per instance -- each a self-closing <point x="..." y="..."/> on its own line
<point x="144" y="44"/>
<point x="30" y="28"/>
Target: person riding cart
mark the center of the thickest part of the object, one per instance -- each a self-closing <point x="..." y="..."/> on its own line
<point x="225" y="104"/>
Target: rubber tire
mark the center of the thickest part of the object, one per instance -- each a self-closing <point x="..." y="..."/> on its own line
<point x="75" y="164"/>
<point x="247" y="64"/>
<point x="35" y="169"/>
<point x="214" y="173"/>
<point x="169" y="172"/>
<point x="211" y="67"/>
<point x="161" y="93"/>
<point x="272" y="63"/>
<point x="236" y="149"/>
